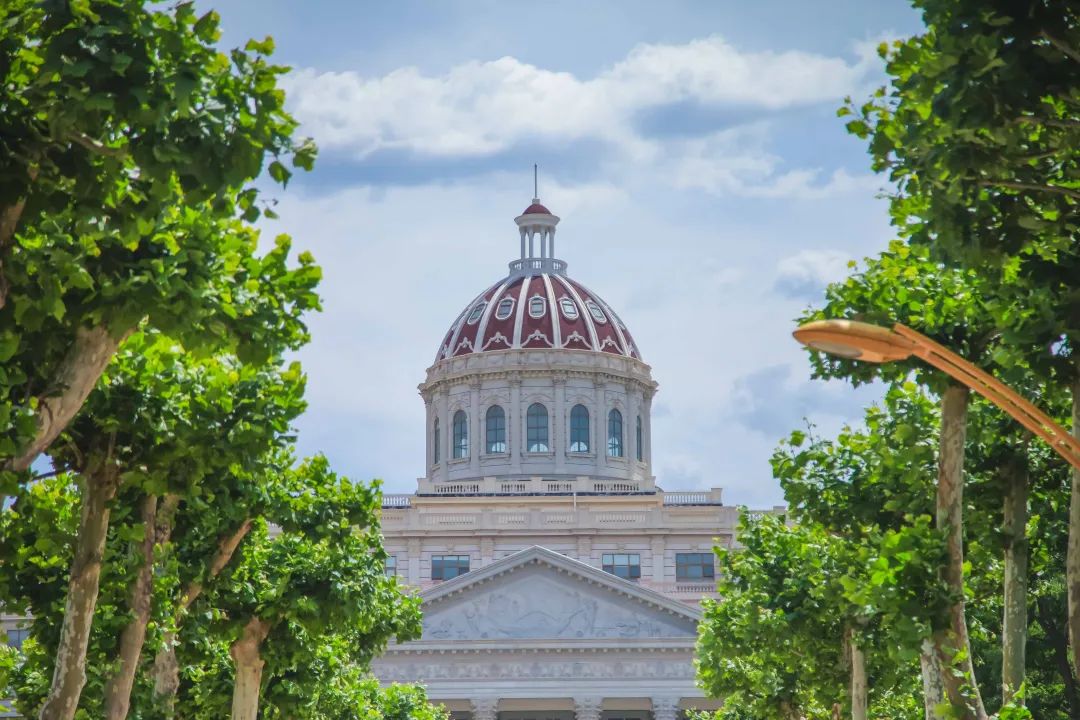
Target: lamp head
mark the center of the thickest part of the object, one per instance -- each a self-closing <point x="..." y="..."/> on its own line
<point x="855" y="340"/>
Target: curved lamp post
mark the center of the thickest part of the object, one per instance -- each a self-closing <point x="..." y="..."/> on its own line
<point x="873" y="343"/>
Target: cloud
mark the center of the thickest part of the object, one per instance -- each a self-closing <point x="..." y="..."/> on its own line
<point x="805" y="274"/>
<point x="773" y="401"/>
<point x="482" y="108"/>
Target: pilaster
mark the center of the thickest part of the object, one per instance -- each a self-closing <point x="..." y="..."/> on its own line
<point x="513" y="423"/>
<point x="475" y="425"/>
<point x="445" y="450"/>
<point x="665" y="708"/>
<point x="559" y="439"/>
<point x="485" y="708"/>
<point x="588" y="708"/>
<point x="659" y="546"/>
<point x="414" y="549"/>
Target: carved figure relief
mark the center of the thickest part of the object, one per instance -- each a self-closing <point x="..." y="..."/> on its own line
<point x="537" y="604"/>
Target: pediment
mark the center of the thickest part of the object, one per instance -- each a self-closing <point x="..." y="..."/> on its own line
<point x="538" y="594"/>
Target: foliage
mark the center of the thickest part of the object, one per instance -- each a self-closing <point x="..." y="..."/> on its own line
<point x="130" y="147"/>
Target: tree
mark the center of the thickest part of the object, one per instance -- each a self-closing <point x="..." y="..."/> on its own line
<point x="161" y="424"/>
<point x="130" y="144"/>
<point x="904" y="285"/>
<point x="978" y="130"/>
<point x="299" y="603"/>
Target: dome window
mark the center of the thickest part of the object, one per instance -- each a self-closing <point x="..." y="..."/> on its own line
<point x="536" y="428"/>
<point x="569" y="309"/>
<point x="477" y="311"/>
<point x="597" y="314"/>
<point x="537" y="306"/>
<point x="506" y="307"/>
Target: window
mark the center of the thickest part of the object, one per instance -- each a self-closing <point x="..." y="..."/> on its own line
<point x="477" y="311"/>
<point x="569" y="309"/>
<point x="579" y="429"/>
<point x="596" y="312"/>
<point x="496" y="430"/>
<point x="461" y="434"/>
<point x="536" y="428"/>
<point x="694" y="566"/>
<point x="445" y="567"/>
<point x="614" y="434"/>
<point x="640" y="438"/>
<point x="390" y="568"/>
<point x="436" y="443"/>
<point x="537" y="306"/>
<point x="16" y="637"/>
<point x="623" y="565"/>
<point x="506" y="306"/>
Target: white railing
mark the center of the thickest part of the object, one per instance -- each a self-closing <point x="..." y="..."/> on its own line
<point x="397" y="501"/>
<point x="533" y="486"/>
<point x="511" y="519"/>
<point x="533" y="266"/>
<point x="620" y="518"/>
<point x="460" y="520"/>
<point x="559" y="519"/>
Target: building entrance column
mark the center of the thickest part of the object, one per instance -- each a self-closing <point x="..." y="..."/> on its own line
<point x="587" y="708"/>
<point x="485" y="709"/>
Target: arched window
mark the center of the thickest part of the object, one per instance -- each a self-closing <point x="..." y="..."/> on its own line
<point x="536" y="428"/>
<point x="640" y="437"/>
<point x="496" y="430"/>
<point x="579" y="429"/>
<point x="461" y="434"/>
<point x="436" y="442"/>
<point x="614" y="434"/>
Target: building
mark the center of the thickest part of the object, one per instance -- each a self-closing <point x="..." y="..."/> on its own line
<point x="558" y="581"/>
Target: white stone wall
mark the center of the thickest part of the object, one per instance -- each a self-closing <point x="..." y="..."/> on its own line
<point x="559" y="380"/>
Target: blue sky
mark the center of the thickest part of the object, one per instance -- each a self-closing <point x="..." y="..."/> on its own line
<point x="707" y="190"/>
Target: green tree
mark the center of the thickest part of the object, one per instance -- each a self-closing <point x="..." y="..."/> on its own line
<point x="130" y="147"/>
<point x="978" y="130"/>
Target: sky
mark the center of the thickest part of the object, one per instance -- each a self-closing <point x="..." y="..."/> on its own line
<point x="707" y="191"/>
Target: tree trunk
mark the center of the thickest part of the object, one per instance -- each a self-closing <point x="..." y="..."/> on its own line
<point x="166" y="669"/>
<point x="1015" y="620"/>
<point x="69" y="674"/>
<point x="1059" y="641"/>
<point x="1072" y="556"/>
<point x="249" y="666"/>
<point x="961" y="688"/>
<point x="158" y="524"/>
<point x="933" y="681"/>
<point x="73" y="380"/>
<point x="860" y="689"/>
<point x="9" y="220"/>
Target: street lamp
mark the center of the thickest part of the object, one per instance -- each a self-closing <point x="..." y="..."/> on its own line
<point x="872" y="343"/>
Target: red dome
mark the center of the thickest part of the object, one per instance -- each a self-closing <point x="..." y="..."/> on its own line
<point x="536" y="209"/>
<point x="537" y="311"/>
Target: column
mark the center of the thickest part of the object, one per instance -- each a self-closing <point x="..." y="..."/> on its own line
<point x="485" y="708"/>
<point x="414" y="550"/>
<point x="513" y="424"/>
<point x="558" y="425"/>
<point x="665" y="708"/>
<point x="445" y="450"/>
<point x="475" y="425"/>
<point x="646" y="419"/>
<point x="633" y="405"/>
<point x="587" y="708"/>
<point x="601" y="426"/>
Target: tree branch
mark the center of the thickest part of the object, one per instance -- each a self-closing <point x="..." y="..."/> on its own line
<point x="75" y="377"/>
<point x="1062" y="46"/>
<point x="1056" y="189"/>
<point x="226" y="548"/>
<point x="96" y="146"/>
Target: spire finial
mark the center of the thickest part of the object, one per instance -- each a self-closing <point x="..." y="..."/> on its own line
<point x="536" y="181"/>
